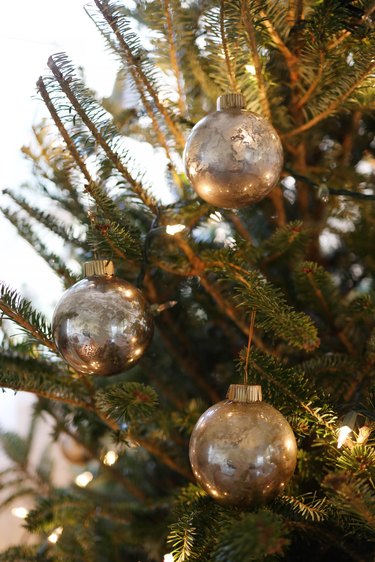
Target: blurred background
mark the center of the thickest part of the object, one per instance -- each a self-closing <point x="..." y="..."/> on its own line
<point x="29" y="34"/>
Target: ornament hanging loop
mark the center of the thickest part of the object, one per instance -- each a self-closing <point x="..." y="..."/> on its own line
<point x="251" y="332"/>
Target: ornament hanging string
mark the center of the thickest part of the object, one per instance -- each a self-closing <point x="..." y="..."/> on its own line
<point x="251" y="332"/>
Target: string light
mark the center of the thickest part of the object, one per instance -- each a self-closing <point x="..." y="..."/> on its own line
<point x="346" y="428"/>
<point x="84" y="478"/>
<point x="55" y="535"/>
<point x="173" y="229"/>
<point x="110" y="458"/>
<point x="20" y="512"/>
<point x="250" y="69"/>
<point x="168" y="557"/>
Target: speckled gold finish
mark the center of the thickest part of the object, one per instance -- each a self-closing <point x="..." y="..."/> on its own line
<point x="233" y="157"/>
<point x="102" y="325"/>
<point x="242" y="453"/>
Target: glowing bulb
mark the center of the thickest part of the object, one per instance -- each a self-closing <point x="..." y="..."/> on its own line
<point x="346" y="428"/>
<point x="168" y="557"/>
<point x="174" y="228"/>
<point x="110" y="458"/>
<point x="84" y="478"/>
<point x="20" y="512"/>
<point x="55" y="535"/>
<point x="344" y="432"/>
<point x="250" y="68"/>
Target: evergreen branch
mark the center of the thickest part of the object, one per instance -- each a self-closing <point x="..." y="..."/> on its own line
<point x="62" y="130"/>
<point x="179" y="346"/>
<point x="160" y="135"/>
<point x="258" y="294"/>
<point x="249" y="27"/>
<point x="325" y="294"/>
<point x="326" y="537"/>
<point x="23" y="554"/>
<point x="112" y="156"/>
<point x="31" y="375"/>
<point x="253" y="537"/>
<point x="224" y="42"/>
<point x="46" y="219"/>
<point x="181" y="537"/>
<point x="127" y="401"/>
<point x="113" y="21"/>
<point x="173" y="57"/>
<point x="355" y="499"/>
<point x="21" y="312"/>
<point x="314" y="84"/>
<point x="332" y="107"/>
<point x="345" y="34"/>
<point x="166" y="459"/>
<point x="239" y="226"/>
<point x="307" y="507"/>
<point x="290" y="59"/>
<point x="55" y="262"/>
<point x="290" y="382"/>
<point x="199" y="266"/>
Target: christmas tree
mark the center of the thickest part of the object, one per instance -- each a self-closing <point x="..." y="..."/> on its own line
<point x="277" y="292"/>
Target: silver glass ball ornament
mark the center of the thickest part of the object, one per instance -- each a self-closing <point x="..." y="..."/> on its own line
<point x="242" y="450"/>
<point x="102" y="325"/>
<point x="233" y="157"/>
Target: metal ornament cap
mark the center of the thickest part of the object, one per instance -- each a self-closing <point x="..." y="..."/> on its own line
<point x="245" y="393"/>
<point x="98" y="267"/>
<point x="243" y="451"/>
<point x="230" y="101"/>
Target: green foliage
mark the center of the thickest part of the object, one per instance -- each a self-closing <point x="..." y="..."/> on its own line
<point x="199" y="520"/>
<point x="253" y="537"/>
<point x="254" y="292"/>
<point x="24" y="554"/>
<point x="15" y="447"/>
<point x="127" y="401"/>
<point x="41" y="377"/>
<point x="307" y="507"/>
<point x="21" y="311"/>
<point x="304" y="265"/>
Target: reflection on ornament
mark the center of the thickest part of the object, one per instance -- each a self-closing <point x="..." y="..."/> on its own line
<point x="102" y="325"/>
<point x="233" y="157"/>
<point x="243" y="451"/>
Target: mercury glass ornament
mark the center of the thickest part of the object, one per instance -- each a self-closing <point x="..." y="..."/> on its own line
<point x="102" y="324"/>
<point x="233" y="157"/>
<point x="242" y="450"/>
<point x="73" y="451"/>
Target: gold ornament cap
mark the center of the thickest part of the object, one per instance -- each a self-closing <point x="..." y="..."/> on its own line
<point x="230" y="101"/>
<point x="104" y="268"/>
<point x="245" y="393"/>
